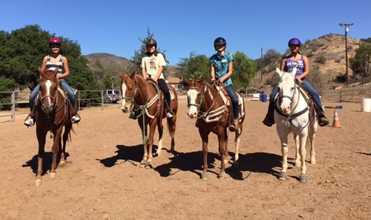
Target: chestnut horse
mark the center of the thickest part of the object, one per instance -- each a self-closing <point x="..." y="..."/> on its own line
<point x="52" y="113"/>
<point x="144" y="96"/>
<point x="212" y="107"/>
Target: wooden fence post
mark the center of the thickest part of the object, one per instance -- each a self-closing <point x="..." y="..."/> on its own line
<point x="13" y="106"/>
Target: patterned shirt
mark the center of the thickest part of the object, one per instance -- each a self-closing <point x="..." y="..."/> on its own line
<point x="291" y="63"/>
<point x="221" y="66"/>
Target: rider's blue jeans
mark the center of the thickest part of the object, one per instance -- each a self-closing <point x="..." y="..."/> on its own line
<point x="63" y="83"/>
<point x="234" y="99"/>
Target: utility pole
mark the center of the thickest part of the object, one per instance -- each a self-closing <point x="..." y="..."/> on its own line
<point x="346" y="30"/>
<point x="261" y="59"/>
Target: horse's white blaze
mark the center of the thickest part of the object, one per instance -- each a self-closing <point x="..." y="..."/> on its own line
<point x="192" y="96"/>
<point x="123" y="89"/>
<point x="48" y="85"/>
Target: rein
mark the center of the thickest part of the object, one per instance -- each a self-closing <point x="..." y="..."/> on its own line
<point x="210" y="115"/>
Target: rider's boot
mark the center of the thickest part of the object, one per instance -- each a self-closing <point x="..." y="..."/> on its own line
<point x="233" y="124"/>
<point x="322" y="119"/>
<point x="269" y="118"/>
<point x="169" y="110"/>
<point x="75" y="116"/>
<point x="29" y="120"/>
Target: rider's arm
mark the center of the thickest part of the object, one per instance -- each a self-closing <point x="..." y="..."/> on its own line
<point x="229" y="73"/>
<point x="306" y="68"/>
<point x="66" y="70"/>
<point x="161" y="63"/>
<point x="212" y="72"/>
<point x="43" y="66"/>
<point x="144" y="72"/>
<point x="282" y="64"/>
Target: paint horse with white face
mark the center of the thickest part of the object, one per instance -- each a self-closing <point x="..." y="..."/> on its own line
<point x="212" y="108"/>
<point x="144" y="96"/>
<point x="294" y="112"/>
<point x="52" y="113"/>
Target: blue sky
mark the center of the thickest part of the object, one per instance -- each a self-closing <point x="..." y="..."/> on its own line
<point x="186" y="26"/>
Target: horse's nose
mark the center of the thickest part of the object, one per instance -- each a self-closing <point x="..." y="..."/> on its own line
<point x="192" y="114"/>
<point x="286" y="110"/>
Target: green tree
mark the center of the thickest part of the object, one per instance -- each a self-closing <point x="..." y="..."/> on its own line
<point x="361" y="62"/>
<point x="22" y="50"/>
<point x="194" y="67"/>
<point x="244" y="70"/>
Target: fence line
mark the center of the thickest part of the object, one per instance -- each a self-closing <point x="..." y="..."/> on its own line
<point x="8" y="103"/>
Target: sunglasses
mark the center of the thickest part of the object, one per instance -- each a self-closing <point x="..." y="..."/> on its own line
<point x="54" y="45"/>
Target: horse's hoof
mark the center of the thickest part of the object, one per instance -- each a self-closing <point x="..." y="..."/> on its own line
<point x="282" y="176"/>
<point x="37" y="182"/>
<point x="303" y="179"/>
<point x="221" y="175"/>
<point x="62" y="163"/>
<point x="53" y="174"/>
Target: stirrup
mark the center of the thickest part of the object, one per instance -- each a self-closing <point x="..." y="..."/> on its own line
<point x="169" y="115"/>
<point x="75" y="119"/>
<point x="29" y="121"/>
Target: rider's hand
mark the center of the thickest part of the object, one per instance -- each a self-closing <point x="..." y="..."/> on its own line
<point x="59" y="76"/>
<point x="299" y="79"/>
<point x="221" y="80"/>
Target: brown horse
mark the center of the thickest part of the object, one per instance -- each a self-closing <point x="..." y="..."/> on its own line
<point x="144" y="96"/>
<point x="212" y="108"/>
<point x="52" y="113"/>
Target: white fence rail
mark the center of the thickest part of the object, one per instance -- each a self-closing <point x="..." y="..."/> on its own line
<point x="8" y="105"/>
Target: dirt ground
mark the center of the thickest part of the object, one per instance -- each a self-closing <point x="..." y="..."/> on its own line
<point x="103" y="180"/>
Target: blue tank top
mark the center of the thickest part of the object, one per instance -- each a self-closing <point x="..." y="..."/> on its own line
<point x="291" y="63"/>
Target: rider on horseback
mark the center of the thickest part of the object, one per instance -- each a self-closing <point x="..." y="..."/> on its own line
<point x="152" y="67"/>
<point x="296" y="60"/>
<point x="221" y="69"/>
<point x="60" y="63"/>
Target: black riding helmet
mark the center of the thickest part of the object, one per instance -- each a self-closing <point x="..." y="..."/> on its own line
<point x="220" y="42"/>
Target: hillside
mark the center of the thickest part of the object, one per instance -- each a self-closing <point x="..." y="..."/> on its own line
<point x="327" y="60"/>
<point x="108" y="63"/>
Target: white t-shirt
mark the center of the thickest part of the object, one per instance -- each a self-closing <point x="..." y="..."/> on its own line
<point x="151" y="64"/>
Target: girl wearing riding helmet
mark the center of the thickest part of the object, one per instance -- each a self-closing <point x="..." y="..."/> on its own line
<point x="296" y="59"/>
<point x="54" y="61"/>
<point x="152" y="67"/>
<point x="221" y="69"/>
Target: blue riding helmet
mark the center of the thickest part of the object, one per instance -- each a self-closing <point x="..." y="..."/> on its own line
<point x="294" y="42"/>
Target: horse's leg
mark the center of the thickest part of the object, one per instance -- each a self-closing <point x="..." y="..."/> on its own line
<point x="64" y="144"/>
<point x="41" y="137"/>
<point x="312" y="137"/>
<point x="237" y="143"/>
<point x="160" y="129"/>
<point x="55" y="150"/>
<point x="222" y="152"/>
<point x="303" y="151"/>
<point x="297" y="150"/>
<point x="283" y="135"/>
<point x="152" y="129"/>
<point x="205" y="141"/>
<point x="144" y="139"/>
<point x="171" y="125"/>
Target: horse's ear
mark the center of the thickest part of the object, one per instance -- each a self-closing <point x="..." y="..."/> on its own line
<point x="186" y="84"/>
<point x="279" y="72"/>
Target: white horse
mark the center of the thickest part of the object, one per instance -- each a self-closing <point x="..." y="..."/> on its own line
<point x="292" y="114"/>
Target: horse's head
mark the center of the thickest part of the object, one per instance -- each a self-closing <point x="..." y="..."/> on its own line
<point x="128" y="89"/>
<point x="194" y="90"/>
<point x="287" y="88"/>
<point x="48" y="90"/>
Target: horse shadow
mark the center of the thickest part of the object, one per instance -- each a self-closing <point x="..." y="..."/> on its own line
<point x="193" y="162"/>
<point x="127" y="154"/>
<point x="187" y="162"/>
<point x="47" y="162"/>
<point x="258" y="162"/>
